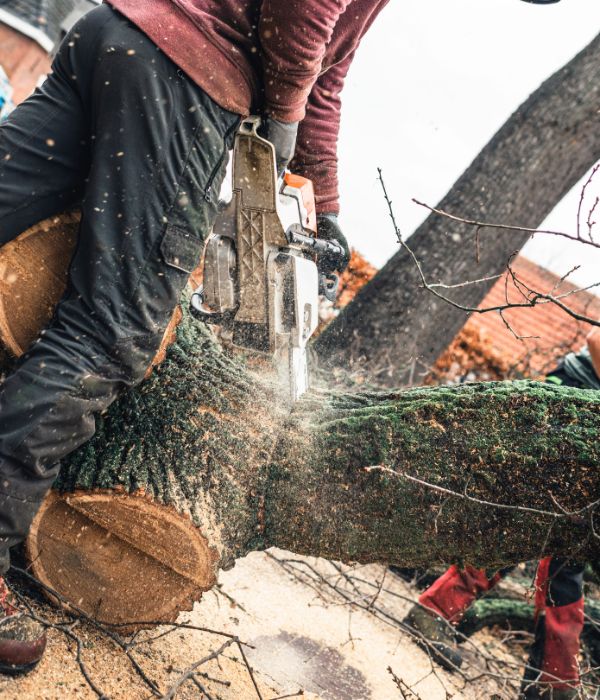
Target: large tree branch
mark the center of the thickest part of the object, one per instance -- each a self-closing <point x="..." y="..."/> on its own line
<point x="541" y="152"/>
<point x="400" y="477"/>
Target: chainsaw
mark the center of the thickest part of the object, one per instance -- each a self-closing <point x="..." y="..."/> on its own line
<point x="260" y="281"/>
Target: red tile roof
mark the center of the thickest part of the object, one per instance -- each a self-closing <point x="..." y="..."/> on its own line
<point x="554" y="331"/>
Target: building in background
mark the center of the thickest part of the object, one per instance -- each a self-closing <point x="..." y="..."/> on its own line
<point x="523" y="342"/>
<point x="29" y="33"/>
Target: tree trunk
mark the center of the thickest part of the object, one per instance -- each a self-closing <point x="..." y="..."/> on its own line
<point x="394" y="326"/>
<point x="205" y="462"/>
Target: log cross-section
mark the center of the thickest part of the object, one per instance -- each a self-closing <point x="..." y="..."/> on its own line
<point x="87" y="546"/>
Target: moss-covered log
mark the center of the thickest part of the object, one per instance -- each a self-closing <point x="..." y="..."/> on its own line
<point x="206" y="462"/>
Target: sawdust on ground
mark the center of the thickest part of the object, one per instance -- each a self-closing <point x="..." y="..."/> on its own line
<point x="303" y="638"/>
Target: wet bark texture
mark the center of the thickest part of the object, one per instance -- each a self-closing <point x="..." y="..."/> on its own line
<point x="214" y="441"/>
<point x="395" y="329"/>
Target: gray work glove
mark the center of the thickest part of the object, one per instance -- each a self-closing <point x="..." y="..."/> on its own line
<point x="329" y="229"/>
<point x="283" y="136"/>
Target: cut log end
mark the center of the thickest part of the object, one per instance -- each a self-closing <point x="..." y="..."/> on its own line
<point x="33" y="277"/>
<point x="121" y="558"/>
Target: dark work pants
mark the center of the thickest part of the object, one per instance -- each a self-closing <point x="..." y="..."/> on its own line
<point x="120" y="130"/>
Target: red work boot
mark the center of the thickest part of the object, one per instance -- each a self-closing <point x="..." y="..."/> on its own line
<point x="563" y="627"/>
<point x="22" y="639"/>
<point x="552" y="672"/>
<point x="553" y="669"/>
<point x="441" y="606"/>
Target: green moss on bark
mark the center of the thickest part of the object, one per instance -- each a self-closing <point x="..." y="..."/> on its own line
<point x="215" y="439"/>
<point x="521" y="443"/>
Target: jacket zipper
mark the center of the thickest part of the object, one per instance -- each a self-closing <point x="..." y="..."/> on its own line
<point x="215" y="170"/>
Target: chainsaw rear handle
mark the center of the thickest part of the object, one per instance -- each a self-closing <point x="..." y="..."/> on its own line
<point x="328" y="282"/>
<point x="317" y="246"/>
<point x="328" y="286"/>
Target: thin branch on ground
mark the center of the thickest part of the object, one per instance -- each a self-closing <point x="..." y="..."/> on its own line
<point x="75" y="616"/>
<point x="191" y="670"/>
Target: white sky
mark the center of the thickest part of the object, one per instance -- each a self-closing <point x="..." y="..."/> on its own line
<point x="431" y="83"/>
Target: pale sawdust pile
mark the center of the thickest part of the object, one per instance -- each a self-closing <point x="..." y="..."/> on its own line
<point x="304" y="635"/>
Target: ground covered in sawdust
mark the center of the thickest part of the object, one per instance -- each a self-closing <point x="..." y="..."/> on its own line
<point x="332" y="632"/>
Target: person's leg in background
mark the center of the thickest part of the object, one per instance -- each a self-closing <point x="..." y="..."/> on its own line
<point x="553" y="670"/>
<point x="157" y="154"/>
<point x="442" y="606"/>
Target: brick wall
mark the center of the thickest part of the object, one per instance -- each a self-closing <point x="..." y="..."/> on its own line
<point x="24" y="61"/>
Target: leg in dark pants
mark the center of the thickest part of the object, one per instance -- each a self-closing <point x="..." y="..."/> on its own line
<point x="553" y="668"/>
<point x="149" y="147"/>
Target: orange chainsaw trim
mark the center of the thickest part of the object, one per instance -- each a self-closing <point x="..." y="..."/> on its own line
<point x="307" y="193"/>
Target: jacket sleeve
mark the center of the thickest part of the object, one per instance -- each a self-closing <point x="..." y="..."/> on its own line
<point x="294" y="35"/>
<point x="316" y="146"/>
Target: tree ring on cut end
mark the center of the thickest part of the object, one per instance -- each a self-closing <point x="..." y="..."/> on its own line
<point x="121" y="558"/>
<point x="33" y="277"/>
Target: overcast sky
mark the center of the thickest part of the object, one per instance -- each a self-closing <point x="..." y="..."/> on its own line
<point x="431" y="83"/>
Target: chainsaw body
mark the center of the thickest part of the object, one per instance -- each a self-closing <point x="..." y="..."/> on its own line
<point x="260" y="278"/>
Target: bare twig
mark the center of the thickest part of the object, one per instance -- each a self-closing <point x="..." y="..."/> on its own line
<point x="250" y="671"/>
<point x="581" y="202"/>
<point x="108" y="631"/>
<point x="505" y="506"/>
<point x="190" y="671"/>
<point x="503" y="227"/>
<point x="533" y="299"/>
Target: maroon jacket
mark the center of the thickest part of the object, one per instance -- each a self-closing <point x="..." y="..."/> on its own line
<point x="288" y="58"/>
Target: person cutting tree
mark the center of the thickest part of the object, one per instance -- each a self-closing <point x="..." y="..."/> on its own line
<point x="552" y="672"/>
<point x="134" y="124"/>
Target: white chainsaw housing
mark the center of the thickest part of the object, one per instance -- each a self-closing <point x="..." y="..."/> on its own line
<point x="259" y="286"/>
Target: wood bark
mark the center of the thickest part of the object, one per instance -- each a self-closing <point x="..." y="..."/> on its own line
<point x="395" y="330"/>
<point x="205" y="462"/>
